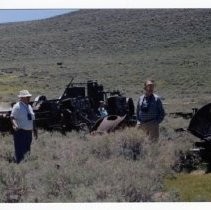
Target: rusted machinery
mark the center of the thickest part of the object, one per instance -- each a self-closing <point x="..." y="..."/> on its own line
<point x="77" y="109"/>
<point x="200" y="127"/>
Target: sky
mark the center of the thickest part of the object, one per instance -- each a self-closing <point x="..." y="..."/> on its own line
<point x="88" y="4"/>
<point x="24" y="10"/>
<point x="16" y="15"/>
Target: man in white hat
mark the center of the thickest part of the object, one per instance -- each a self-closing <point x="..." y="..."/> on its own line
<point x="22" y="117"/>
<point x="150" y="111"/>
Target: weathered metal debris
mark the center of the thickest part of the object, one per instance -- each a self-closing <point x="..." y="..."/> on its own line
<point x="77" y="109"/>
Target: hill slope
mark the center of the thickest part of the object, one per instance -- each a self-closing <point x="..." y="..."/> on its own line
<point x="120" y="48"/>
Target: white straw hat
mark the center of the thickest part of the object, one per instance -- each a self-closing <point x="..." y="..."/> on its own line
<point x="24" y="93"/>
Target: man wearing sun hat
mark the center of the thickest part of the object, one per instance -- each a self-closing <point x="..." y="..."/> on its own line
<point x="150" y="111"/>
<point x="22" y="117"/>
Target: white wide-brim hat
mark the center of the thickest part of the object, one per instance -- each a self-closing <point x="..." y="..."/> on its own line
<point x="24" y="93"/>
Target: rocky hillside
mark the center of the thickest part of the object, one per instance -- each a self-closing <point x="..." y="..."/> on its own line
<point x="104" y="32"/>
<point x="121" y="48"/>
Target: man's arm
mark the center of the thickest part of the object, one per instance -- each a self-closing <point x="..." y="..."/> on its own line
<point x="137" y="111"/>
<point x="35" y="130"/>
<point x="13" y="116"/>
<point x="161" y="112"/>
<point x="14" y="123"/>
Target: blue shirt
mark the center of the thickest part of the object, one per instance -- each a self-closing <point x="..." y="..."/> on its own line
<point x="102" y="111"/>
<point x="150" y="109"/>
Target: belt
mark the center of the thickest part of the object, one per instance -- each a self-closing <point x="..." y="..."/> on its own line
<point x="21" y="129"/>
<point x="146" y="121"/>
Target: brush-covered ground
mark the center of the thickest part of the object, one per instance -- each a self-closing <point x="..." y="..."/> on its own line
<point x="116" y="167"/>
<point x="120" y="49"/>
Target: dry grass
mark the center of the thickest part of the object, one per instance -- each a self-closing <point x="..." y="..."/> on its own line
<point x="117" y="167"/>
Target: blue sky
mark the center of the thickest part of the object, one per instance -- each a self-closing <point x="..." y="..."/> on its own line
<point x="16" y="15"/>
<point x="91" y="4"/>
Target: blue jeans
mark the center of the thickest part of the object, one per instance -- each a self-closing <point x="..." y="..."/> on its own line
<point x="22" y="143"/>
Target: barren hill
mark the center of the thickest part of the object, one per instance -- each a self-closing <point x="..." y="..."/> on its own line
<point x="120" y="48"/>
<point x="104" y="32"/>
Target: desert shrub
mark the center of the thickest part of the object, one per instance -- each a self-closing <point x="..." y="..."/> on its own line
<point x="101" y="146"/>
<point x="6" y="149"/>
<point x="183" y="159"/>
<point x="118" y="167"/>
<point x="187" y="161"/>
<point x="130" y="143"/>
<point x="127" y="143"/>
<point x="13" y="184"/>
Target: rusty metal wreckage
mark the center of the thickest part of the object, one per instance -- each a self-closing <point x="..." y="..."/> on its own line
<point x="77" y="109"/>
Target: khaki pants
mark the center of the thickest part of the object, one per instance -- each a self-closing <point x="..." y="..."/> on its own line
<point x="151" y="130"/>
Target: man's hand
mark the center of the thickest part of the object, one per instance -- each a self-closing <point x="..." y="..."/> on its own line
<point x="14" y="124"/>
<point x="138" y="123"/>
<point x="15" y="127"/>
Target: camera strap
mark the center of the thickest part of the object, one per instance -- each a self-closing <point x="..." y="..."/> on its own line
<point x="26" y="107"/>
